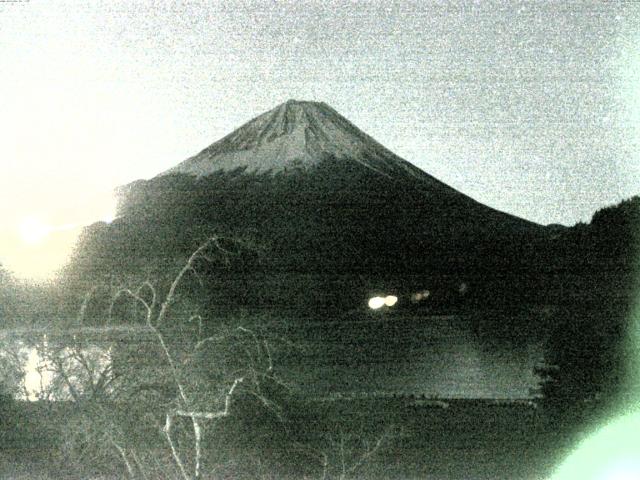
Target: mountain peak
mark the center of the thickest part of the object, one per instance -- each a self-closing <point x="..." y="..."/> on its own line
<point x="295" y="135"/>
<point x="302" y="103"/>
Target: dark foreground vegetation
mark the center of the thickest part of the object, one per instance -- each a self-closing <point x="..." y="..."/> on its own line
<point x="341" y="439"/>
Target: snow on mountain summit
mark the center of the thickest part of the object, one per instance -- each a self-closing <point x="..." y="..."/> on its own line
<point x="296" y="134"/>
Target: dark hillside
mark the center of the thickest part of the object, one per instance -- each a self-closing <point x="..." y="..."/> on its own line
<point x="326" y="221"/>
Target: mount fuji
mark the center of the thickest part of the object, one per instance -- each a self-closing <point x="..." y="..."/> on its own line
<point x="316" y="197"/>
<point x="296" y="134"/>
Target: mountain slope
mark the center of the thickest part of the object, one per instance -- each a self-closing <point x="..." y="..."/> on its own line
<point x="316" y="196"/>
<point x="296" y="134"/>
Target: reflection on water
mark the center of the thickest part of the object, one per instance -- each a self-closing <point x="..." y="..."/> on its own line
<point x="38" y="371"/>
<point x="444" y="356"/>
<point x="38" y="374"/>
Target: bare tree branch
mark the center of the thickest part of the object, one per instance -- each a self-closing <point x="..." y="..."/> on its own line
<point x="85" y="304"/>
<point x="174" y="451"/>
<point x="169" y="299"/>
<point x="97" y="385"/>
<point x="199" y="319"/>
<point x="123" y="455"/>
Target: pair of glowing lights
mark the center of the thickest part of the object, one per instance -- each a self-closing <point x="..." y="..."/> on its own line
<point x="378" y="302"/>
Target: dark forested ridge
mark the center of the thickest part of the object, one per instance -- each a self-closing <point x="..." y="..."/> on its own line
<point x="589" y="357"/>
<point x="365" y="229"/>
<point x="330" y="221"/>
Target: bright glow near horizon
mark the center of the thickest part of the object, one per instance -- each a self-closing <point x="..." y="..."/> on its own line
<point x="35" y="249"/>
<point x="33" y="230"/>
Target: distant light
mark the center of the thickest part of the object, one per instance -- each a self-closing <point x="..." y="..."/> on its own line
<point x="419" y="296"/>
<point x="376" y="302"/>
<point x="390" y="300"/>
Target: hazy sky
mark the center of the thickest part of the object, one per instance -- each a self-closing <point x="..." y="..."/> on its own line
<point x="530" y="107"/>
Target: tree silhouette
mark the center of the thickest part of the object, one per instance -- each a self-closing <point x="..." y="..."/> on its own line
<point x="585" y="358"/>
